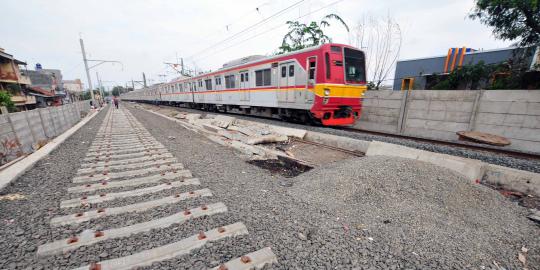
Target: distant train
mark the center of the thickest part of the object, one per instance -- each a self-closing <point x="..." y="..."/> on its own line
<point x="324" y="84"/>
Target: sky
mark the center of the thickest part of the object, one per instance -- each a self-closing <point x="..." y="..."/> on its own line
<point x="144" y="34"/>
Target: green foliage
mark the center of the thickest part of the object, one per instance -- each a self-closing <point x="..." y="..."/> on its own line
<point x="468" y="76"/>
<point x="5" y="100"/>
<point x="302" y="35"/>
<point x="117" y="90"/>
<point x="508" y="75"/>
<point x="511" y="19"/>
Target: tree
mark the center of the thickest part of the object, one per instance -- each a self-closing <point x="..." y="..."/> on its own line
<point x="117" y="90"/>
<point x="5" y="100"/>
<point x="511" y="19"/>
<point x="381" y="39"/>
<point x="301" y="36"/>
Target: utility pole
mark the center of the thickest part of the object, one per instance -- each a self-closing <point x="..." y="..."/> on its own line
<point x="87" y="69"/>
<point x="144" y="79"/>
<point x="86" y="60"/>
<point x="100" y="87"/>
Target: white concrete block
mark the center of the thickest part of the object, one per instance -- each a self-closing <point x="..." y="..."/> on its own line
<point x="470" y="169"/>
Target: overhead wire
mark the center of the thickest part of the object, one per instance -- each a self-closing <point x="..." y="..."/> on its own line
<point x="269" y="30"/>
<point x="246" y="29"/>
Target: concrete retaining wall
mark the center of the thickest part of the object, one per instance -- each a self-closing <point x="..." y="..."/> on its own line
<point x="514" y="114"/>
<point x="32" y="128"/>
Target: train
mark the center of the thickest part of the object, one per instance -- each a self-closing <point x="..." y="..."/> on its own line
<point x="322" y="84"/>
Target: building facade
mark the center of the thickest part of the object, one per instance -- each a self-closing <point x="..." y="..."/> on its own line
<point x="421" y="73"/>
<point x="14" y="82"/>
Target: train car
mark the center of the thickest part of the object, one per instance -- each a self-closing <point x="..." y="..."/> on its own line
<point x="324" y="84"/>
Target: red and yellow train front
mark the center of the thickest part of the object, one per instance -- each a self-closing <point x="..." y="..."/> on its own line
<point x="340" y="85"/>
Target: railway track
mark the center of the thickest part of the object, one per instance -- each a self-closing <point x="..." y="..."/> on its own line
<point x="487" y="153"/>
<point x="126" y="161"/>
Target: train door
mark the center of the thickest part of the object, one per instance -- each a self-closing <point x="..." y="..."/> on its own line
<point x="284" y="82"/>
<point x="244" y="84"/>
<point x="218" y="87"/>
<point x="291" y="83"/>
<point x="312" y="73"/>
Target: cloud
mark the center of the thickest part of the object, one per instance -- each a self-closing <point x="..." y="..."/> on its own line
<point x="144" y="34"/>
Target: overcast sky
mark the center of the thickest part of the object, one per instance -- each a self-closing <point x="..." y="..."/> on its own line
<point x="144" y="34"/>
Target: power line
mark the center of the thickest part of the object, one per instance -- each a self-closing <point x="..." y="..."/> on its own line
<point x="269" y="30"/>
<point x="248" y="28"/>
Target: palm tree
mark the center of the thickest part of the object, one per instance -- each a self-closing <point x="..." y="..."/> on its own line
<point x="302" y="36"/>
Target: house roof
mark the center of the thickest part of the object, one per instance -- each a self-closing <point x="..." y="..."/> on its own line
<point x="10" y="57"/>
<point x="42" y="91"/>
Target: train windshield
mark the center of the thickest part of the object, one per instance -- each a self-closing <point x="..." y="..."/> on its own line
<point x="355" y="68"/>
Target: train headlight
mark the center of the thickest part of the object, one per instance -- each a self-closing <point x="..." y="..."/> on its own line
<point x="326" y="91"/>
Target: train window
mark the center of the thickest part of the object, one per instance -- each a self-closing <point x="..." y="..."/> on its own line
<point x="312" y="66"/>
<point x="327" y="63"/>
<point x="355" y="66"/>
<point x="241" y="77"/>
<point x="291" y="71"/>
<point x="262" y="77"/>
<point x="246" y="77"/>
<point x="208" y="84"/>
<point x="335" y="49"/>
<point x="230" y="81"/>
<point x="283" y="71"/>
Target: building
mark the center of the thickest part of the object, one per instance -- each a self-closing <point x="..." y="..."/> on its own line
<point x="46" y="85"/>
<point x="74" y="89"/>
<point x="15" y="82"/>
<point x="422" y="73"/>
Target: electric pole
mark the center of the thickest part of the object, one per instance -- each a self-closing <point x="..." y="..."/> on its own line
<point x="144" y="79"/>
<point x="86" y="60"/>
<point x="87" y="69"/>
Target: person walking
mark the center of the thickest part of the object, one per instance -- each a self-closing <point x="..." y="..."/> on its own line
<point x="115" y="101"/>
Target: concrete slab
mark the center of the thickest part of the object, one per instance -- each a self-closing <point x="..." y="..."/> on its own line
<point x="337" y="141"/>
<point x="512" y="179"/>
<point x="470" y="169"/>
<point x="169" y="251"/>
<point x="136" y="182"/>
<point x="253" y="260"/>
<point x="137" y="207"/>
<point x="107" y="176"/>
<point x="124" y="167"/>
<point x="92" y="237"/>
<point x="104" y="197"/>
<point x="125" y="161"/>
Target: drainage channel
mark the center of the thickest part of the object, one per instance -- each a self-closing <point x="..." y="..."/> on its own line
<point x="126" y="160"/>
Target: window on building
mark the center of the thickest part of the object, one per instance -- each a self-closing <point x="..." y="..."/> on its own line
<point x="407" y="84"/>
<point x="263" y="77"/>
<point x="230" y="81"/>
<point x="208" y="84"/>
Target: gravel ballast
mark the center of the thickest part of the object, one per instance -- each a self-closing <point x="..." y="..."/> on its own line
<point x="422" y="209"/>
<point x="302" y="231"/>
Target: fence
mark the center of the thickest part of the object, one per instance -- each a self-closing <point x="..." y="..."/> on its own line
<point x="24" y="132"/>
<point x="514" y="114"/>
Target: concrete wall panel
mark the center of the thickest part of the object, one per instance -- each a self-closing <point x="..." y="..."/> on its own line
<point x="22" y="131"/>
<point x="514" y="114"/>
<point x="34" y="122"/>
<point x="47" y="123"/>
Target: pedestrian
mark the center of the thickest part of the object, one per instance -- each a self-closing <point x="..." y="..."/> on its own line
<point x="115" y="101"/>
